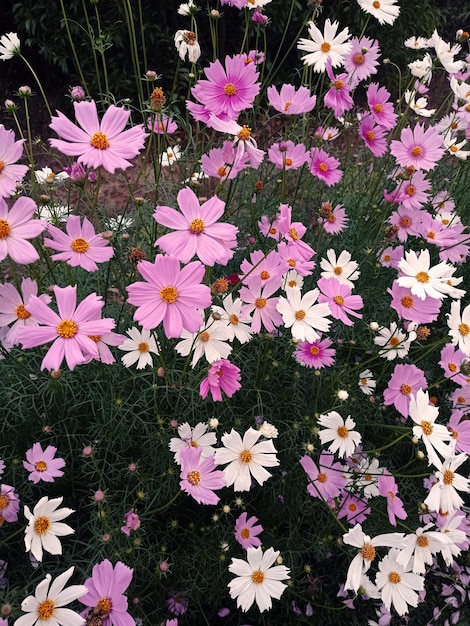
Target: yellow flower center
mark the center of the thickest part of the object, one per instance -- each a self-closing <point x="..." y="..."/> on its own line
<point x="246" y="457"/>
<point x="339" y="300"/>
<point x="245" y="533"/>
<point x="205" y="336"/>
<point x="343" y="432"/>
<point x="143" y="347"/>
<point x="454" y="148"/>
<point x="378" y="108"/>
<point x="40" y="466"/>
<point x="230" y="89"/>
<point x="260" y="303"/>
<point x="368" y="552"/>
<point x="21" y="313"/>
<point x="422" y="277"/>
<point x="405" y="389"/>
<point x="257" y="577"/>
<point x="358" y="59"/>
<point x="338" y="270"/>
<point x="410" y="190"/>
<point x="67" y="329"/>
<point x="194" y="477"/>
<point x="196" y="226"/>
<point x="352" y="507"/>
<point x="79" y="245"/>
<point x="405" y="221"/>
<point x="338" y="84"/>
<point x="452" y="367"/>
<point x="407" y="302"/>
<point x="4" y="502"/>
<point x="394" y="577"/>
<point x="45" y="610"/>
<point x="464" y="329"/>
<point x="104" y="605"/>
<point x="370" y="135"/>
<point x="42" y="525"/>
<point x="394" y="341"/>
<point x="416" y="151"/>
<point x="169" y="294"/>
<point x="376" y="4"/>
<point x="1" y="166"/>
<point x="4" y="229"/>
<point x="322" y="478"/>
<point x="427" y="428"/>
<point x="222" y="171"/>
<point x="448" y="477"/>
<point x="287" y="105"/>
<point x="314" y="350"/>
<point x="293" y="233"/>
<point x="233" y="319"/>
<point x="245" y="133"/>
<point x="299" y="315"/>
<point x="422" y="541"/>
<point x="99" y="141"/>
<point x="323" y="167"/>
<point x="288" y="162"/>
<point x="291" y="262"/>
<point x="325" y="47"/>
<point x="264" y="275"/>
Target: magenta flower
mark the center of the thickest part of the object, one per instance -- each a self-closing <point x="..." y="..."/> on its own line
<point x="132" y="522"/>
<point x="324" y="167"/>
<point x="315" y="354"/>
<point x="222" y="376"/>
<point x="340" y="300"/>
<point x="419" y="148"/>
<point x="228" y="91"/>
<point x="9" y="504"/>
<point x="381" y="107"/>
<point x="106" y="589"/>
<point x="79" y="245"/>
<point x="199" y="478"/>
<point x="69" y="330"/>
<point x="388" y="489"/>
<point x="327" y="480"/>
<point x="291" y="101"/>
<point x="10" y="152"/>
<point x="405" y="381"/>
<point x="373" y="136"/>
<point x="247" y="531"/>
<point x="13" y="307"/>
<point x="171" y="295"/>
<point x="42" y="464"/>
<point x="16" y="226"/>
<point x="197" y="233"/>
<point x="96" y="143"/>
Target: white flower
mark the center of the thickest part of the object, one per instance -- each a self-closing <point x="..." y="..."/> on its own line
<point x="170" y="156"/>
<point x="341" y="268"/>
<point x="366" y="477"/>
<point x="292" y="279"/>
<point x="367" y="553"/>
<point x="187" y="8"/>
<point x="237" y="324"/>
<point x="420" y="547"/>
<point x="268" y="430"/>
<point x="416" y="42"/>
<point x="433" y="435"/>
<point x="140" y="348"/>
<point x="246" y="459"/>
<point x="342" y="395"/>
<point x="209" y="342"/>
<point x="10" y="46"/>
<point x="421" y="278"/>
<point x="322" y="47"/>
<point x="385" y="11"/>
<point x="47" y="177"/>
<point x="443" y="495"/>
<point x="257" y="580"/>
<point x="53" y="213"/>
<point x="457" y="536"/>
<point x="302" y="315"/>
<point x="419" y="105"/>
<point x="455" y="148"/>
<point x="340" y="432"/>
<point x="394" y="342"/>
<point x="254" y="4"/>
<point x="459" y="326"/>
<point x="44" y="527"/>
<point x="422" y="68"/>
<point x="46" y="606"/>
<point x="366" y="382"/>
<point x="195" y="178"/>
<point x="445" y="53"/>
<point x="186" y="42"/>
<point x="398" y="586"/>
<point x="196" y="437"/>
<point x="461" y="89"/>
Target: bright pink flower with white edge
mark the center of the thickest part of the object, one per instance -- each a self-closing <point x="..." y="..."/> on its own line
<point x="419" y="148"/>
<point x="197" y="233"/>
<point x="13" y="307"/>
<point x="290" y="100"/>
<point x="10" y="152"/>
<point x="222" y="376"/>
<point x="170" y="295"/>
<point x="199" y="478"/>
<point x="69" y="330"/>
<point x="96" y="143"/>
<point x="16" y="226"/>
<point x="324" y="167"/>
<point x="80" y="246"/>
<point x="106" y="589"/>
<point x="42" y="464"/>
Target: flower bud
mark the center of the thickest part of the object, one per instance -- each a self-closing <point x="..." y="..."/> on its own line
<point x="77" y="93"/>
<point x="24" y="91"/>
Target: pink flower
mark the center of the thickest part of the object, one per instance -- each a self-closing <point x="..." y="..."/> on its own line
<point x="263" y="269"/>
<point x="170" y="294"/>
<point x="162" y="125"/>
<point x="102" y="342"/>
<point x="340" y="300"/>
<point x="13" y="307"/>
<point x="405" y="381"/>
<point x="9" y="504"/>
<point x="246" y="531"/>
<point x="362" y="60"/>
<point x="459" y="428"/>
<point x="327" y="480"/>
<point x="380" y="106"/>
<point x="407" y="220"/>
<point x="42" y="465"/>
<point x="293" y="258"/>
<point x="373" y="136"/>
<point x="257" y="299"/>
<point x="98" y="144"/>
<point x="291" y="101"/>
<point x="132" y="522"/>
<point x="69" y="330"/>
<point x="315" y="354"/>
<point x="228" y="91"/>
<point x="199" y="478"/>
<point x="10" y="152"/>
<point x="336" y="221"/>
<point x="106" y="589"/>
<point x="388" y="489"/>
<point x="246" y="146"/>
<point x="220" y="162"/>
<point x="338" y="97"/>
<point x="411" y="308"/>
<point x="197" y="234"/>
<point x="413" y="191"/>
<point x="222" y="376"/>
<point x="451" y="360"/>
<point x="287" y="155"/>
<point x="16" y="226"/>
<point x="354" y="508"/>
<point x="419" y="148"/>
<point x="324" y="167"/>
<point x="79" y="245"/>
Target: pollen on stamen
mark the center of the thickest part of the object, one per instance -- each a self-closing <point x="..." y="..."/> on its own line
<point x="99" y="141"/>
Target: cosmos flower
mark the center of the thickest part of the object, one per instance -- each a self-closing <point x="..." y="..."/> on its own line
<point x="258" y="579"/>
<point x="199" y="478"/>
<point x="366" y="382"/>
<point x="324" y="167"/>
<point x="385" y="11"/>
<point x="316" y="354"/>
<point x="196" y="437"/>
<point x="139" y="347"/>
<point x="388" y="488"/>
<point x="323" y="46"/>
<point x="10" y="152"/>
<point x="434" y="435"/>
<point x="186" y="43"/>
<point x="459" y="326"/>
<point x="291" y="101"/>
<point x="42" y="464"/>
<point x="339" y="432"/>
<point x="443" y="495"/>
<point x="398" y="586"/>
<point x="423" y="279"/>
<point x="328" y="479"/>
<point x="247" y="531"/>
<point x="47" y="605"/>
<point x="340" y="300"/>
<point x="9" y="504"/>
<point x="302" y="315"/>
<point x="10" y="46"/>
<point x="45" y="526"/>
<point x="403" y="384"/>
<point x="96" y="143"/>
<point x="418" y="147"/>
<point x="342" y="267"/>
<point x="13" y="307"/>
<point x="16" y="226"/>
<point x="222" y="376"/>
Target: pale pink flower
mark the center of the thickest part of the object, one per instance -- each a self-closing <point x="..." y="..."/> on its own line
<point x="13" y="307"/>
<point x="199" y="478"/>
<point x="10" y="152"/>
<point x="291" y="101"/>
<point x="16" y="226"/>
<point x="247" y="531"/>
<point x="221" y="376"/>
<point x="43" y="464"/>
<point x="418" y="147"/>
